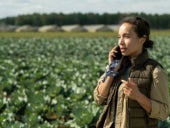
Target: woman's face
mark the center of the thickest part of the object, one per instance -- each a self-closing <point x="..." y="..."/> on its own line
<point x="130" y="44"/>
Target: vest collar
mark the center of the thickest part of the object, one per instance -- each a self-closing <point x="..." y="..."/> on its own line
<point x="140" y="59"/>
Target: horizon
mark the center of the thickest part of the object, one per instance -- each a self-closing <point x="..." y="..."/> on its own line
<point x="83" y="13"/>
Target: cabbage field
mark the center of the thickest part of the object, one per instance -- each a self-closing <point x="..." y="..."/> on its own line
<point x="49" y="82"/>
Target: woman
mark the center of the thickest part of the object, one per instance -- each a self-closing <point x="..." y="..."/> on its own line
<point x="134" y="91"/>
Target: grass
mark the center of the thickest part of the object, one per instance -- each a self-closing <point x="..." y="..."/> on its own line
<point x="71" y="34"/>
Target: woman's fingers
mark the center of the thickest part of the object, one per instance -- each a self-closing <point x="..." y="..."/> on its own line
<point x="112" y="54"/>
<point x="130" y="88"/>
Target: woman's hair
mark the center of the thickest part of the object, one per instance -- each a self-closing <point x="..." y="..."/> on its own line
<point x="141" y="28"/>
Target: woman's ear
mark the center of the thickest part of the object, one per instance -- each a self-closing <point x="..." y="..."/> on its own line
<point x="143" y="39"/>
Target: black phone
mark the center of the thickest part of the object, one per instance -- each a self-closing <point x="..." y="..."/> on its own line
<point x="118" y="55"/>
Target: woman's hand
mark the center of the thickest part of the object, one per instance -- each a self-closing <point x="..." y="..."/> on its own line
<point x="130" y="89"/>
<point x="112" y="54"/>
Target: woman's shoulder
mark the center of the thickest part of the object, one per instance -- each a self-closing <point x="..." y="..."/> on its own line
<point x="159" y="72"/>
<point x="154" y="63"/>
<point x="158" y="69"/>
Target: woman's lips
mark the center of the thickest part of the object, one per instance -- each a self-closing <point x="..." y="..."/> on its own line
<point x="123" y="49"/>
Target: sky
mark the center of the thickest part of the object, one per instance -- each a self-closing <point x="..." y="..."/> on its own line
<point x="10" y="8"/>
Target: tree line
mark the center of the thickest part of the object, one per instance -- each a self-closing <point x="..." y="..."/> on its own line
<point x="157" y="21"/>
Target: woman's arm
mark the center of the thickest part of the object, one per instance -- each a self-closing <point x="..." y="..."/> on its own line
<point x="160" y="97"/>
<point x="102" y="90"/>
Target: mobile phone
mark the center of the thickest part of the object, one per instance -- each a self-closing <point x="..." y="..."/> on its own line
<point x="118" y="55"/>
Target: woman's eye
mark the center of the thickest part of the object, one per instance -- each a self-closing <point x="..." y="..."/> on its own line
<point x="127" y="36"/>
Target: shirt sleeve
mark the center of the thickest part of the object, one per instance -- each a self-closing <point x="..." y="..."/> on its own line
<point x="160" y="98"/>
<point x="100" y="100"/>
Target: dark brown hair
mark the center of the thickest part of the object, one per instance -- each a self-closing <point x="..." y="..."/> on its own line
<point x="141" y="28"/>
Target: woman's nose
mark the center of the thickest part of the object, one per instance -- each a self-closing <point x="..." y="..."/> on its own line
<point x="121" y="41"/>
